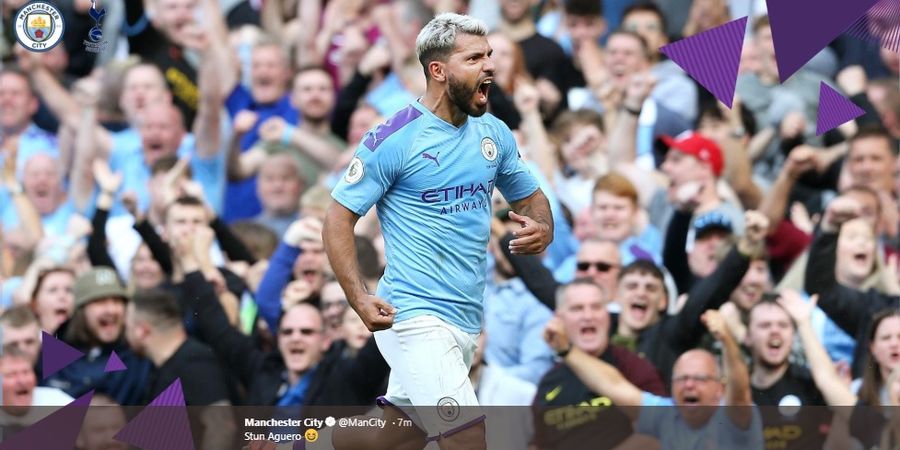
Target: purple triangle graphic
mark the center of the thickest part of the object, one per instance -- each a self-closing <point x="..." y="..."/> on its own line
<point x="114" y="364"/>
<point x="834" y="109"/>
<point x="712" y="57"/>
<point x="56" y="355"/>
<point x="801" y="28"/>
<point x="58" y="430"/>
<point x="880" y="25"/>
<point x="162" y="425"/>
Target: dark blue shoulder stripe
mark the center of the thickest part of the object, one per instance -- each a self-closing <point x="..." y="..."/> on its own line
<point x="396" y="122"/>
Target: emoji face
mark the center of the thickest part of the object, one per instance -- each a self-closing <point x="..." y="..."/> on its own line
<point x="311" y="435"/>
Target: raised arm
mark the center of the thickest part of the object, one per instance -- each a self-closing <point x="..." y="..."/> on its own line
<point x="278" y="274"/>
<point x="849" y="308"/>
<point x="322" y="150"/>
<point x="598" y="375"/>
<point x="774" y="205"/>
<point x="243" y="165"/>
<point x="540" y="149"/>
<point x="234" y="348"/>
<point x="308" y="13"/>
<point x="87" y="143"/>
<point x="214" y="77"/>
<point x="225" y="64"/>
<point x="29" y="218"/>
<point x="109" y="184"/>
<point x="623" y="132"/>
<point x="832" y="387"/>
<point x="340" y="246"/>
<point x="66" y="106"/>
<point x="684" y="331"/>
<point x="675" y="257"/>
<point x="737" y="387"/>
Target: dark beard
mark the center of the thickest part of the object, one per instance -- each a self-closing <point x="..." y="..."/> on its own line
<point x="461" y="96"/>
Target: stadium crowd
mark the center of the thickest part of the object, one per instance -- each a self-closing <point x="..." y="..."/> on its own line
<point x="163" y="200"/>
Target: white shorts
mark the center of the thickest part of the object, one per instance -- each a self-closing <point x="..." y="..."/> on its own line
<point x="429" y="381"/>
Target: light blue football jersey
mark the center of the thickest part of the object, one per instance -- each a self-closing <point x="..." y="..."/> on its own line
<point x="432" y="184"/>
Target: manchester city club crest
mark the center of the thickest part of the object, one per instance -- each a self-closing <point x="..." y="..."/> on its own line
<point x="488" y="149"/>
<point x="39" y="26"/>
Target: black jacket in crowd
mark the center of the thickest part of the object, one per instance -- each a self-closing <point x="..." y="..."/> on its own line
<point x="339" y="380"/>
<point x="673" y="335"/>
<point x="850" y="309"/>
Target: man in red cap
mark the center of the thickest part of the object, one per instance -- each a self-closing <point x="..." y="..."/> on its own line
<point x="693" y="165"/>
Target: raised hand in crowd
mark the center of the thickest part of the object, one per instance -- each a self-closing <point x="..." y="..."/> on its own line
<point x="717" y="325"/>
<point x="108" y="182"/>
<point x="273" y="129"/>
<point x="526" y="97"/>
<point x="87" y="91"/>
<point x="827" y="379"/>
<point x="555" y="336"/>
<point x="852" y="80"/>
<point x="308" y="229"/>
<point x="297" y="291"/>
<point x="801" y="160"/>
<point x="640" y="86"/>
<point x="890" y="275"/>
<point x="244" y="121"/>
<point x="840" y="210"/>
<point x="890" y="214"/>
<point x="377" y="58"/>
<point x="688" y="197"/>
<point x="801" y="219"/>
<point x="756" y="227"/>
<point x="243" y="165"/>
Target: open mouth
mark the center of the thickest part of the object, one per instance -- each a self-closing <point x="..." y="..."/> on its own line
<point x="638" y="310"/>
<point x="156" y="146"/>
<point x="483" y="89"/>
<point x="894" y="356"/>
<point x="751" y="291"/>
<point x="61" y="313"/>
<point x="861" y="257"/>
<point x="691" y="399"/>
<point x="264" y="82"/>
<point x="107" y="323"/>
<point x="588" y="331"/>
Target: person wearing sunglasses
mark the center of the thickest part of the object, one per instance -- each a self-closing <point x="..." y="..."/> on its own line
<point x="599" y="260"/>
<point x="307" y="368"/>
<point x="714" y="408"/>
<point x="581" y="315"/>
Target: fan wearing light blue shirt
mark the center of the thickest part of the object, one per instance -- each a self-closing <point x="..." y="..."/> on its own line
<point x="430" y="171"/>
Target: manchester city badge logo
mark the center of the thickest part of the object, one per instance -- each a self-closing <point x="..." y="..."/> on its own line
<point x="488" y="149"/>
<point x="39" y="26"/>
